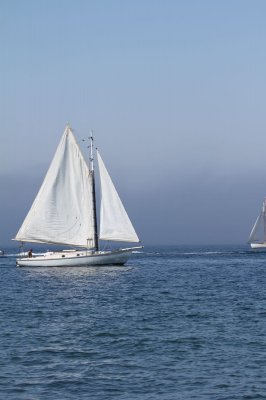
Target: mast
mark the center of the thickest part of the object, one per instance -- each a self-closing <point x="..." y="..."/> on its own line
<point x="96" y="239"/>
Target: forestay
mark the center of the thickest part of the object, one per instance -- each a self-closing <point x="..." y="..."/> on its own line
<point x="62" y="210"/>
<point x="114" y="221"/>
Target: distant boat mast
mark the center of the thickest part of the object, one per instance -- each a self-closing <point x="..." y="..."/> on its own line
<point x="96" y="238"/>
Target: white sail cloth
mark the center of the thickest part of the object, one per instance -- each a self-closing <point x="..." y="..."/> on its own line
<point x="62" y="211"/>
<point x="253" y="237"/>
<point x="114" y="221"/>
<point x="258" y="231"/>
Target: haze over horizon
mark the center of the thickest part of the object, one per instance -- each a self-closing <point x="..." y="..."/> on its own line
<point x="174" y="92"/>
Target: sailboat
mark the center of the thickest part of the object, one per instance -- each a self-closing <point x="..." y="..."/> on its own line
<point x="64" y="213"/>
<point x="257" y="237"/>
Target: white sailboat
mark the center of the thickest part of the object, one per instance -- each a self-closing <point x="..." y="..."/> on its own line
<point x="64" y="213"/>
<point x="257" y="237"/>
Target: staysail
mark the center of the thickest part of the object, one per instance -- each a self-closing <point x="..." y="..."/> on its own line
<point x="114" y="221"/>
<point x="62" y="211"/>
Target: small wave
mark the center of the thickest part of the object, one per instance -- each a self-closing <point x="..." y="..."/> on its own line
<point x="204" y="253"/>
<point x="201" y="253"/>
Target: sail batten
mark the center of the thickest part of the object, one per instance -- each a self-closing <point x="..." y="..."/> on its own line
<point x="115" y="224"/>
<point x="62" y="210"/>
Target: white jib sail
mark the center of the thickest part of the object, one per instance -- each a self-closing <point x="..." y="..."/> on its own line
<point x="258" y="231"/>
<point x="253" y="237"/>
<point x="114" y="221"/>
<point x="62" y="210"/>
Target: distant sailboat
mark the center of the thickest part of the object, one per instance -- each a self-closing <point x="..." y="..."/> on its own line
<point x="64" y="212"/>
<point x="257" y="237"/>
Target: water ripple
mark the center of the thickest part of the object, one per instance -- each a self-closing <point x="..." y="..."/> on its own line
<point x="175" y="323"/>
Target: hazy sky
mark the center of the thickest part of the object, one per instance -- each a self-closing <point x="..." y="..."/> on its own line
<point x="175" y="93"/>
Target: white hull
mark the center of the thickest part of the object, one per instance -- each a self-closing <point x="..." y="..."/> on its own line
<point x="258" y="245"/>
<point x="77" y="258"/>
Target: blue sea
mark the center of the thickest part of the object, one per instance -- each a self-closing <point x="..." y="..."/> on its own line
<point x="174" y="323"/>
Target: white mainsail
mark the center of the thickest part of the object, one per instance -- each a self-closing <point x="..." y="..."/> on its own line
<point x="114" y="221"/>
<point x="258" y="231"/>
<point x="62" y="212"/>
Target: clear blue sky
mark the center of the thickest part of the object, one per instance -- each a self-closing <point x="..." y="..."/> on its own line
<point x="175" y="93"/>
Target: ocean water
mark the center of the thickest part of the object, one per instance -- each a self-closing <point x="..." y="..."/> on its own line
<point x="174" y="323"/>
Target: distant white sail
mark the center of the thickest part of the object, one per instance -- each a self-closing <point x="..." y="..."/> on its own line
<point x="114" y="221"/>
<point x="258" y="232"/>
<point x="254" y="232"/>
<point x="62" y="212"/>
